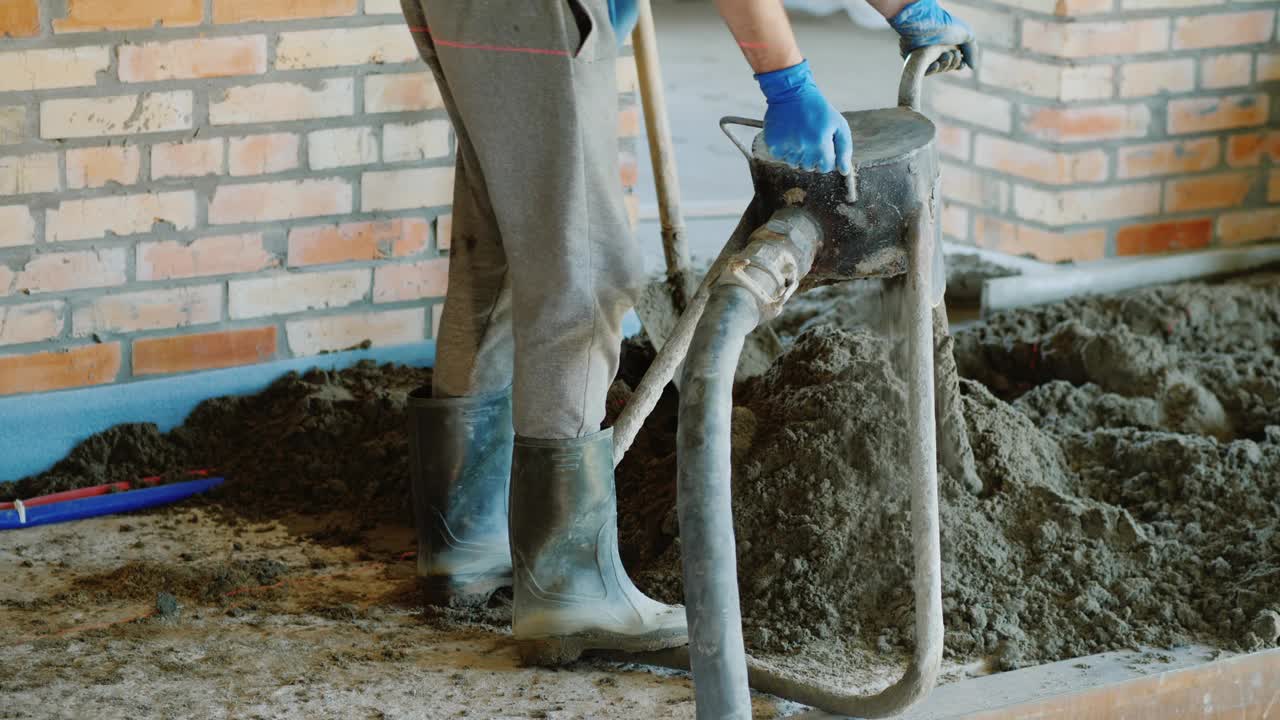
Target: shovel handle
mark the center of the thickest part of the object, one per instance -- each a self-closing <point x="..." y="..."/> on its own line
<point x="728" y="120"/>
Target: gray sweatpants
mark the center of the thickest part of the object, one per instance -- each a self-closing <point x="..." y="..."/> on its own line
<point x="543" y="265"/>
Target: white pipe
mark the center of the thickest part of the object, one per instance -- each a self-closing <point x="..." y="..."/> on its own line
<point x="1113" y="276"/>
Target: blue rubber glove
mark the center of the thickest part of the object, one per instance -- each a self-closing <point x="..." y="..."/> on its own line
<point x="924" y="23"/>
<point x="800" y="126"/>
<point x="622" y="16"/>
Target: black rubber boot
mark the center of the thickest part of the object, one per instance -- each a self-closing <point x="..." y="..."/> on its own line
<point x="460" y="460"/>
<point x="571" y="591"/>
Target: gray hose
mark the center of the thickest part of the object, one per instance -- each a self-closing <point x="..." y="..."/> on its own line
<point x="672" y="353"/>
<point x="705" y="504"/>
<point x="716" y="650"/>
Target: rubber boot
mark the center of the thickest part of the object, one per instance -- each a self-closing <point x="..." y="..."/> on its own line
<point x="460" y="460"/>
<point x="571" y="591"/>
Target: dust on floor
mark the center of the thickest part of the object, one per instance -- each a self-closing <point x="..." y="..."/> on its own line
<point x="1130" y="449"/>
<point x="180" y="613"/>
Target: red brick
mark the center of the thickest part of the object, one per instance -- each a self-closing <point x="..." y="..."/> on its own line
<point x="1249" y="225"/>
<point x="347" y="146"/>
<point x="311" y="336"/>
<point x="1222" y="71"/>
<point x="1044" y="166"/>
<point x="282" y="102"/>
<point x="327" y="244"/>
<point x="203" y="351"/>
<point x="238" y="11"/>
<point x="27" y="174"/>
<point x="1208" y="192"/>
<point x="64" y="118"/>
<point x="981" y="190"/>
<point x="51" y="68"/>
<point x="1164" y="236"/>
<point x="58" y="272"/>
<point x="401" y="92"/>
<point x="286" y="293"/>
<point x="13" y="124"/>
<point x="1205" y="114"/>
<point x="629" y="121"/>
<point x="261" y="202"/>
<point x="334" y="47"/>
<point x="413" y="281"/>
<point x="971" y="106"/>
<point x="1089" y="124"/>
<point x="195" y="58"/>
<point x="97" y="166"/>
<point x="1020" y="239"/>
<point x="30" y="322"/>
<point x="1222" y="30"/>
<point x="218" y="255"/>
<point x="1249" y="149"/>
<point x="92" y="15"/>
<point x="1268" y="67"/>
<point x="416" y="141"/>
<point x="17" y="227"/>
<point x="405" y="189"/>
<point x="148" y="310"/>
<point x="1087" y="205"/>
<point x="20" y="18"/>
<point x="628" y="170"/>
<point x="444" y="232"/>
<point x="262" y="154"/>
<point x="94" y="217"/>
<point x="955" y="221"/>
<point x="1168" y="158"/>
<point x="1139" y="79"/>
<point x="72" y="367"/>
<point x="953" y="140"/>
<point x="186" y="159"/>
<point x="1093" y="39"/>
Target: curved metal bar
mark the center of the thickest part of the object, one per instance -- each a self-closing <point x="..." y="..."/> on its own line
<point x="914" y="71"/>
<point x="728" y="120"/>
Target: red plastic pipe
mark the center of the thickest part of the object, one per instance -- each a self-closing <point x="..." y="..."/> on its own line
<point x="95" y="490"/>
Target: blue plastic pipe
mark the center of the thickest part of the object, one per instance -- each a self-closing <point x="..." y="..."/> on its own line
<point x="105" y="504"/>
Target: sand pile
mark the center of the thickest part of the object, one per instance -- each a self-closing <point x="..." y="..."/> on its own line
<point x="316" y="442"/>
<point x="1132" y="488"/>
<point x="1129" y="448"/>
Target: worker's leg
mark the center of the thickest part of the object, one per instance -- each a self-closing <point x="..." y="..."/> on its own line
<point x="474" y="341"/>
<point x="460" y="432"/>
<point x="533" y="83"/>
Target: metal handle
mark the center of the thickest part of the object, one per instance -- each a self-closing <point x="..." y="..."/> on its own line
<point x="728" y="120"/>
<point x="914" y="71"/>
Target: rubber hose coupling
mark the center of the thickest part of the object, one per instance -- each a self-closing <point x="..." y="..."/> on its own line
<point x="778" y="254"/>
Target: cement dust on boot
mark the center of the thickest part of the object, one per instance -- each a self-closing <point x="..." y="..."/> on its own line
<point x="460" y="464"/>
<point x="571" y="593"/>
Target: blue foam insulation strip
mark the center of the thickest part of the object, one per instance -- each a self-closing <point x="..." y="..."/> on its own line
<point x="37" y="431"/>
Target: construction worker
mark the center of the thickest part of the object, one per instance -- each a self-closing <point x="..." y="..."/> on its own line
<point x="542" y="270"/>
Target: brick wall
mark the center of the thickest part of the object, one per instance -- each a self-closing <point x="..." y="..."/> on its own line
<point x="196" y="184"/>
<point x="1099" y="128"/>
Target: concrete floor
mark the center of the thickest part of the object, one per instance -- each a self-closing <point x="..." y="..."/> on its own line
<point x="706" y="78"/>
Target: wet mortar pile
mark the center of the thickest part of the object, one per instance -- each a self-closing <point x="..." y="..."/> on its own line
<point x="1129" y="448"/>
<point x="1130" y="453"/>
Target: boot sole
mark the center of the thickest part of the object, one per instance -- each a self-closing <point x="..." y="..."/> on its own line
<point x="564" y="649"/>
<point x="462" y="592"/>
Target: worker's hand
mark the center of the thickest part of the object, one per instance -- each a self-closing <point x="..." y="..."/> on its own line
<point x="622" y="16"/>
<point x="800" y="126"/>
<point x="923" y="23"/>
